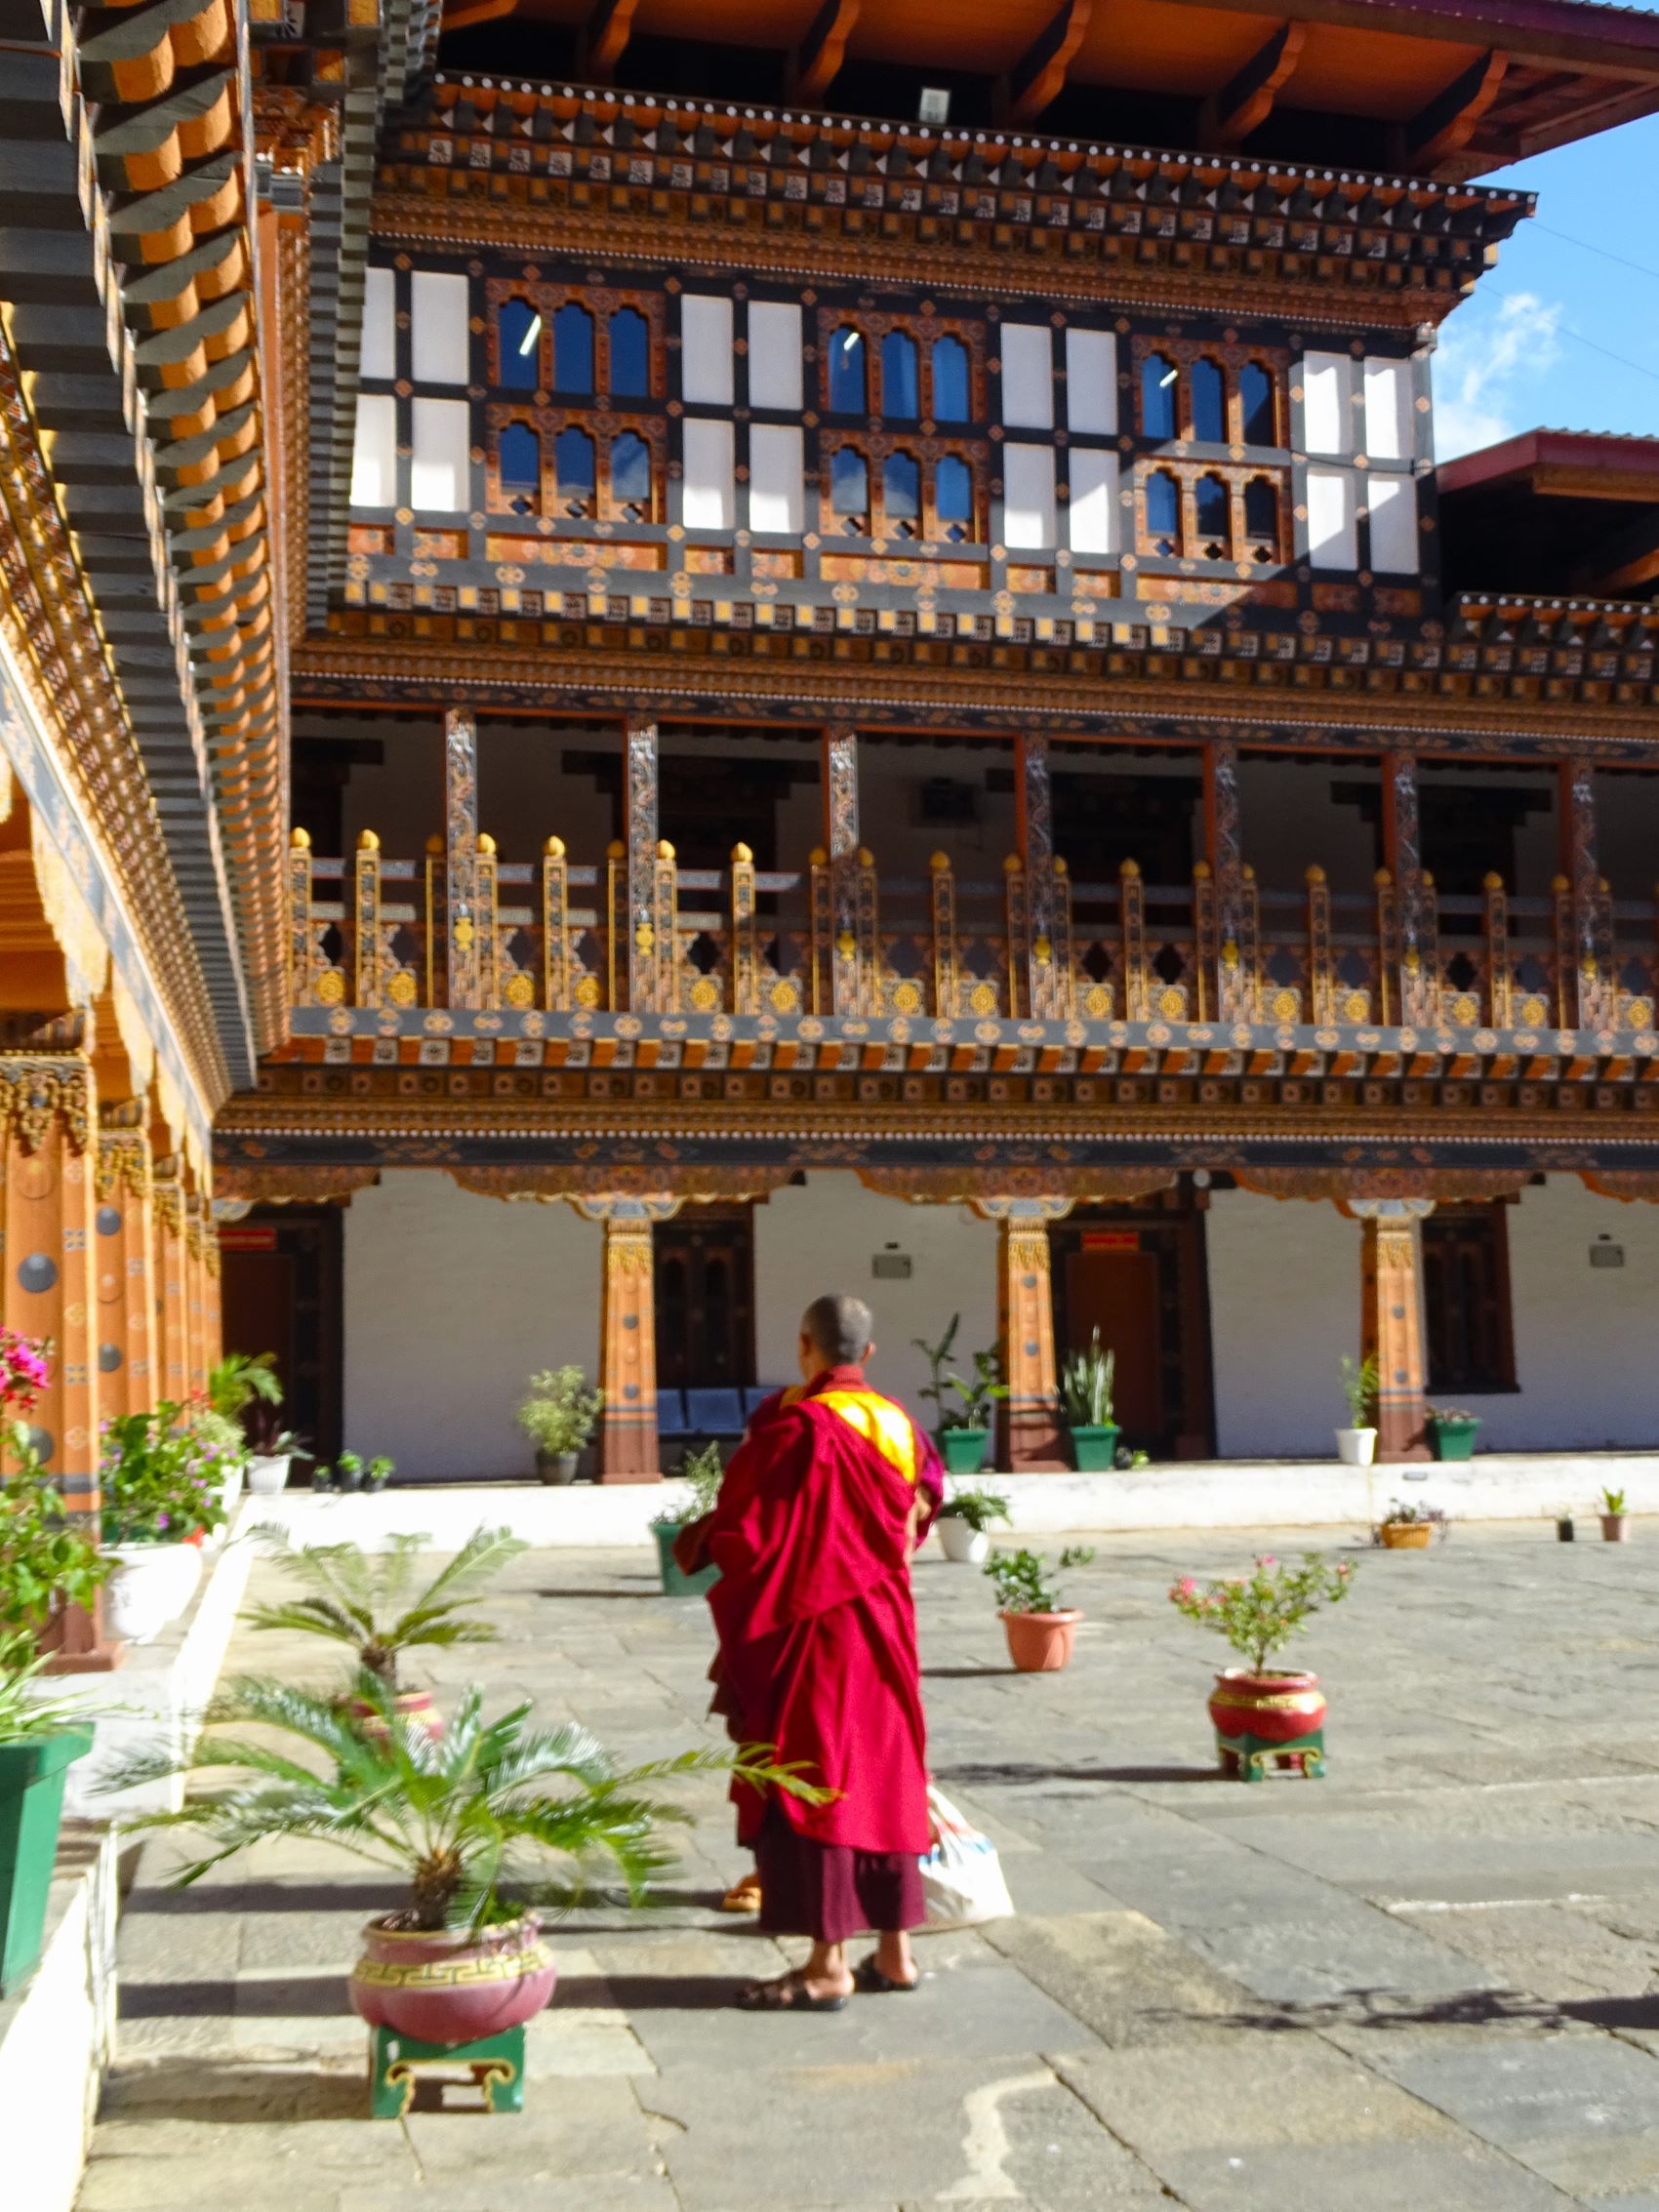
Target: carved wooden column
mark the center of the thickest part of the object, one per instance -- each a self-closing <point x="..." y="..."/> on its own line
<point x="1223" y="855"/>
<point x="1414" y="986"/>
<point x="123" y="1263"/>
<point x="197" y="1216"/>
<point x="461" y="856"/>
<point x="1392" y="1325"/>
<point x="640" y="840"/>
<point x="1044" y="987"/>
<point x="1029" y="1426"/>
<point x="172" y="1327"/>
<point x="1589" y="983"/>
<point x="629" y="1450"/>
<point x="840" y="788"/>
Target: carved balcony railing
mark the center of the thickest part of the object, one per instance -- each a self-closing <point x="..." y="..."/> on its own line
<point x="840" y="939"/>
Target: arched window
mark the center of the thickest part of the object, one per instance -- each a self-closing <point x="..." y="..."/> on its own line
<point x="573" y="350"/>
<point x="1261" y="519"/>
<point x="518" y="332"/>
<point x="900" y="394"/>
<point x="848" y="386"/>
<point x="1213" y="513"/>
<point x="631" y="354"/>
<point x="1163" y="512"/>
<point x="950" y="381"/>
<point x="954" y="499"/>
<point x="630" y="476"/>
<point x="1256" y="404"/>
<point x="1157" y="396"/>
<point x="518" y="456"/>
<point x="1208" y="390"/>
<point x="900" y="495"/>
<point x="849" y="490"/>
<point x="572" y="459"/>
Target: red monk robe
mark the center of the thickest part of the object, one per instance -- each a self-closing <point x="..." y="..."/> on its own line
<point x="821" y="1508"/>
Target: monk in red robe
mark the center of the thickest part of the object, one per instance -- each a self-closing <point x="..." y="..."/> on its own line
<point x="822" y="1507"/>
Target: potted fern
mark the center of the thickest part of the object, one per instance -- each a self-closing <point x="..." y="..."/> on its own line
<point x="963" y="1408"/>
<point x="1040" y="1629"/>
<point x="377" y="1605"/>
<point x="1356" y="1444"/>
<point x="557" y="1415"/>
<point x="1085" y="1399"/>
<point x="475" y="1827"/>
<point x="705" y="1472"/>
<point x="964" y="1521"/>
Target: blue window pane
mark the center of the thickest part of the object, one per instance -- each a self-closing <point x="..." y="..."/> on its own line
<point x="1163" y="511"/>
<point x="1209" y="403"/>
<point x="950" y="381"/>
<point x="849" y="483"/>
<point x="1212" y="513"/>
<point x="900" y="395"/>
<point x="572" y="457"/>
<point x="573" y="350"/>
<point x="631" y="470"/>
<point x="954" y="490"/>
<point x="1260" y="509"/>
<point x="518" y="327"/>
<point x="900" y="488"/>
<point x="519" y="450"/>
<point x="1158" y="397"/>
<point x="630" y="355"/>
<point x="847" y="381"/>
<point x="1255" y="390"/>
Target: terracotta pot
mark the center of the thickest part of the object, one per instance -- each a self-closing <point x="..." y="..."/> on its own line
<point x="450" y="1986"/>
<point x="1614" y="1529"/>
<point x="1406" y="1535"/>
<point x="411" y="1705"/>
<point x="1274" y="1708"/>
<point x="1041" y="1643"/>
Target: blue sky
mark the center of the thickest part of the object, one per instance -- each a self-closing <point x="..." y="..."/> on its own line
<point x="1515" y="355"/>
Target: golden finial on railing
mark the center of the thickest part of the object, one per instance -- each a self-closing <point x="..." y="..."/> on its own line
<point x="368" y="841"/>
<point x="553" y="849"/>
<point x="299" y="839"/>
<point x="742" y="857"/>
<point x="665" y="851"/>
<point x="486" y="843"/>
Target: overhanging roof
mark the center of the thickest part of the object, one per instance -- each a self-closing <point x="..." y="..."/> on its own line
<point x="1553" y="511"/>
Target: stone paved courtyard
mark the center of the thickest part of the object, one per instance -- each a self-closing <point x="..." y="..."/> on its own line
<point x="1428" y="1980"/>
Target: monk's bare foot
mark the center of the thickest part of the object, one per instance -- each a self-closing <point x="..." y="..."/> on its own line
<point x="744" y="1896"/>
<point x="798" y="1992"/>
<point x="889" y="1967"/>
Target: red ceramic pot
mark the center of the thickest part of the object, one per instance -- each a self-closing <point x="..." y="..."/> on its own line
<point x="1274" y="1708"/>
<point x="1041" y="1643"/>
<point x="446" y="1985"/>
<point x="410" y="1704"/>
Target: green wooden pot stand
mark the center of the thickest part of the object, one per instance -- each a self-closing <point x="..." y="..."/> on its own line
<point x="397" y="2063"/>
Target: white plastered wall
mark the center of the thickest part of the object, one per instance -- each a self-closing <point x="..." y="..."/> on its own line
<point x="1285" y="1310"/>
<point x="451" y="1302"/>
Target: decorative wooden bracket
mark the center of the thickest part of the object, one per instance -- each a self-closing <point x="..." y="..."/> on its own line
<point x="1035" y="80"/>
<point x="1447" y="123"/>
<point x="813" y="65"/>
<point x="1244" y="103"/>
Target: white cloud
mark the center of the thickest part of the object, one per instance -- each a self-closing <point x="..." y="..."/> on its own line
<point x="1482" y="371"/>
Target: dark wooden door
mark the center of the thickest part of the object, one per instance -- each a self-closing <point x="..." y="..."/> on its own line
<point x="282" y="1293"/>
<point x="704" y="1293"/>
<point x="1138" y="1274"/>
<point x="1117" y="1294"/>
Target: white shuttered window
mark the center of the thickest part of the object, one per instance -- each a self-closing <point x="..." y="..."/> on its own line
<point x="774" y="355"/>
<point x="1027" y="497"/>
<point x="441" y="345"/>
<point x="1388" y="411"/>
<point x="1028" y="376"/>
<point x="374" y="456"/>
<point x="706" y="490"/>
<point x="1327" y="411"/>
<point x="1333" y="541"/>
<point x="1393" y="503"/>
<point x="705" y="351"/>
<point x="380" y="323"/>
<point x="1094" y="511"/>
<point x="775" y="469"/>
<point x="1091" y="381"/>
<point x="440" y="476"/>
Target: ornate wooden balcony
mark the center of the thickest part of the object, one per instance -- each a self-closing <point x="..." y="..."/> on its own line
<point x="558" y="960"/>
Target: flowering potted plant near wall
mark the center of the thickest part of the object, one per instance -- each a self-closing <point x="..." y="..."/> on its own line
<point x="1085" y="1399"/>
<point x="705" y="1472"/>
<point x="557" y="1415"/>
<point x="963" y="1408"/>
<point x="469" y="1823"/>
<point x="1038" y="1628"/>
<point x="1412" y="1528"/>
<point x="1452" y="1430"/>
<point x="163" y="1493"/>
<point x="1356" y="1444"/>
<point x="1262" y="1714"/>
<point x="1615" y="1521"/>
<point x="963" y="1522"/>
<point x="377" y="1605"/>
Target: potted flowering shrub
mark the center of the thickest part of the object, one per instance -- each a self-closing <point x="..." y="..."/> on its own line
<point x="705" y="1472"/>
<point x="557" y="1415"/>
<point x="1356" y="1444"/>
<point x="1615" y="1521"/>
<point x="1412" y="1528"/>
<point x="1040" y="1629"/>
<point x="1260" y="1713"/>
<point x="1451" y="1431"/>
<point x="163" y="1493"/>
<point x="963" y="1522"/>
<point x="1085" y="1399"/>
<point x="963" y="1408"/>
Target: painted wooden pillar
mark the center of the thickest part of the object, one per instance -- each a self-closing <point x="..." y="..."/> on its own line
<point x="1589" y="982"/>
<point x="1223" y="857"/>
<point x="124" y="1262"/>
<point x="1414" y="985"/>
<point x="212" y="1290"/>
<point x="460" y="857"/>
<point x="1045" y="988"/>
<point x="641" y="836"/>
<point x="195" y="1289"/>
<point x="172" y="1290"/>
<point x="1029" y="1426"/>
<point x="839" y="780"/>
<point x="629" y="1450"/>
<point x="1392" y="1323"/>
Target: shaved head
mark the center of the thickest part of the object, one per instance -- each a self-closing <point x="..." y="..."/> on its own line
<point x="841" y="1329"/>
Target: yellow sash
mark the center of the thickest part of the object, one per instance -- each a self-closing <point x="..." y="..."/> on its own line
<point x="877" y="1420"/>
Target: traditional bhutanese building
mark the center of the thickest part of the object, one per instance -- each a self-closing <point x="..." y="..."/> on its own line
<point x="659" y="658"/>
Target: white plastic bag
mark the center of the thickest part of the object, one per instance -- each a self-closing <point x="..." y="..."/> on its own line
<point x="962" y="1876"/>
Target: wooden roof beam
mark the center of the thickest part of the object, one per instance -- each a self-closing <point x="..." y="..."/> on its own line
<point x="1623" y="560"/>
<point x="471" y="12"/>
<point x="817" y="61"/>
<point x="1244" y="104"/>
<point x="1035" y="82"/>
<point x="1445" y="126"/>
<point x="605" y="38"/>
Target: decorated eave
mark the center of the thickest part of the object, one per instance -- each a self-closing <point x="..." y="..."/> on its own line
<point x="634" y="176"/>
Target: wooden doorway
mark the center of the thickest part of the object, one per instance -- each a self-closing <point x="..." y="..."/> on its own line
<point x="282" y="1284"/>
<point x="1138" y="1274"/>
<point x="704" y="1298"/>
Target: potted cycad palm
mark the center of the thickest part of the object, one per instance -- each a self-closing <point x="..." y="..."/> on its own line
<point x="1040" y="1629"/>
<point x="705" y="1472"/>
<point x="477" y="1827"/>
<point x="378" y="1605"/>
<point x="557" y="1415"/>
<point x="1356" y="1444"/>
<point x="1085" y="1399"/>
<point x="964" y="1522"/>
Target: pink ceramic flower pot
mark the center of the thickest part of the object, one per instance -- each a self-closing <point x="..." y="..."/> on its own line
<point x="447" y="1986"/>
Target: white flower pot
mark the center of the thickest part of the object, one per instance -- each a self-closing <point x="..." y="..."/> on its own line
<point x="1356" y="1447"/>
<point x="970" y="1546"/>
<point x="267" y="1476"/>
<point x="151" y="1586"/>
<point x="229" y="1492"/>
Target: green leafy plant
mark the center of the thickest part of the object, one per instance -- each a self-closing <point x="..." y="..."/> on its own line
<point x="349" y="1472"/>
<point x="1086" y="1378"/>
<point x="1260" y="1613"/>
<point x="1361" y="1382"/>
<point x="938" y="1357"/>
<point x="468" y="1821"/>
<point x="1021" y="1578"/>
<point x="978" y="1507"/>
<point x="47" y="1560"/>
<point x="1612" y="1501"/>
<point x="239" y="1379"/>
<point x="161" y="1482"/>
<point x="976" y="1397"/>
<point x="24" y="1715"/>
<point x="1450" y="1416"/>
<point x="704" y="1470"/>
<point x="379" y="1472"/>
<point x="558" y="1412"/>
<point x="377" y="1603"/>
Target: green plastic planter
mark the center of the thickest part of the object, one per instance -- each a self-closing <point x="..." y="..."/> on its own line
<point x="1095" y="1448"/>
<point x="31" y="1810"/>
<point x="1453" y="1439"/>
<point x="962" y="1449"/>
<point x="675" y="1582"/>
